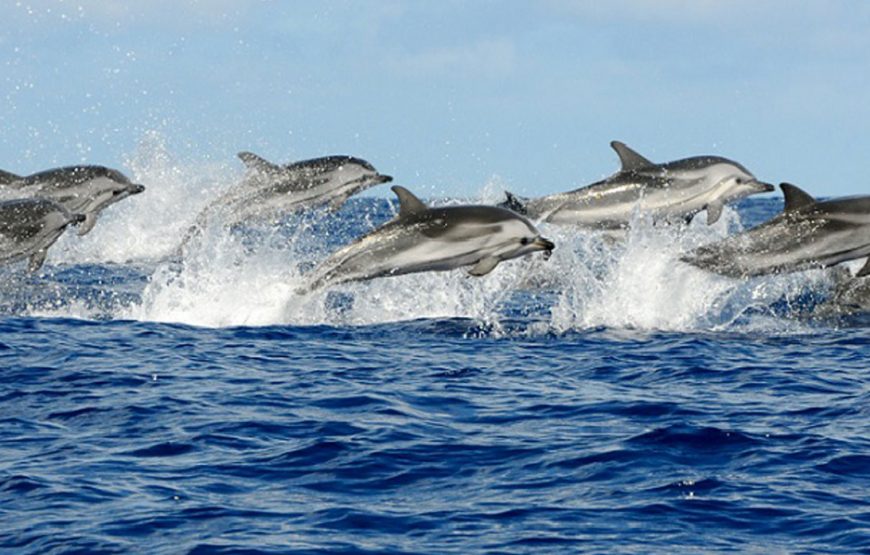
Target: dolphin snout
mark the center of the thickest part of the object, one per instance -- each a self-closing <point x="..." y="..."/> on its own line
<point x="135" y="188"/>
<point x="545" y="245"/>
<point x="764" y="187"/>
<point x="384" y="178"/>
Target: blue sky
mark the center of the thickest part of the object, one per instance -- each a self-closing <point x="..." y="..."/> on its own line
<point x="445" y="95"/>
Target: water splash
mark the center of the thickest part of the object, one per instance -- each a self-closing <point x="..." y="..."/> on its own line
<point x="251" y="276"/>
<point x="146" y="227"/>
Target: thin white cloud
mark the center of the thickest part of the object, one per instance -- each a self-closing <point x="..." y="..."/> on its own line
<point x="488" y="57"/>
<point x="661" y="10"/>
<point x="121" y="12"/>
<point x="709" y="12"/>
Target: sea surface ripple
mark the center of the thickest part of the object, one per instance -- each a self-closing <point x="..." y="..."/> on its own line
<point x="609" y="400"/>
<point x="424" y="437"/>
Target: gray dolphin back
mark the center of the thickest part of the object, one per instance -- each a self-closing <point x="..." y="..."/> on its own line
<point x="7" y="178"/>
<point x="806" y="234"/>
<point x="257" y="163"/>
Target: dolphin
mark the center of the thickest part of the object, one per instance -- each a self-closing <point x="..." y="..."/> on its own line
<point x="423" y="239"/>
<point x="849" y="297"/>
<point x="806" y="234"/>
<point x="80" y="189"/>
<point x="29" y="226"/>
<point x="670" y="191"/>
<point x="269" y="189"/>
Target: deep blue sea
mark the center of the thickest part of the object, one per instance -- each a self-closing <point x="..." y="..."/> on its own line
<point x="609" y="400"/>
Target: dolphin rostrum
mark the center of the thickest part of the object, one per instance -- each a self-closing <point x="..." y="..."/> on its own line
<point x="269" y="189"/>
<point x="423" y="239"/>
<point x="29" y="226"/>
<point x="807" y="234"/>
<point x="83" y="190"/>
<point x="670" y="191"/>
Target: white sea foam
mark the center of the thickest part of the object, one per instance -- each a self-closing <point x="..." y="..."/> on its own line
<point x="642" y="284"/>
<point x="226" y="279"/>
<point x="147" y="226"/>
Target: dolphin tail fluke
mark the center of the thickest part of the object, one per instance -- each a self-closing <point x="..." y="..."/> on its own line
<point x="513" y="202"/>
<point x="8" y="177"/>
<point x="257" y="163"/>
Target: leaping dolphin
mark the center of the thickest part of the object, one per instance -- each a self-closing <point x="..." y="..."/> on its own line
<point x="807" y="234"/>
<point x="269" y="189"/>
<point x="29" y="226"/>
<point x="86" y="190"/>
<point x="849" y="297"/>
<point x="423" y="239"/>
<point x="670" y="191"/>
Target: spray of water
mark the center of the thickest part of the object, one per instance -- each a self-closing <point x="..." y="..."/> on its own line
<point x="226" y="278"/>
<point x="147" y="227"/>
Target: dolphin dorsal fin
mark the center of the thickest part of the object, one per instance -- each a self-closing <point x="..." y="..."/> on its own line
<point x="409" y="204"/>
<point x="795" y="197"/>
<point x="629" y="159"/>
<point x="258" y="163"/>
<point x="7" y="177"/>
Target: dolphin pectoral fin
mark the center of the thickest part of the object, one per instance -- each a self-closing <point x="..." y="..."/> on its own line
<point x="865" y="269"/>
<point x="257" y="163"/>
<point x="7" y="177"/>
<point x="336" y="203"/>
<point x="408" y="203"/>
<point x="37" y="259"/>
<point x="484" y="266"/>
<point x="629" y="159"/>
<point x="714" y="212"/>
<point x="795" y="197"/>
<point x="87" y="225"/>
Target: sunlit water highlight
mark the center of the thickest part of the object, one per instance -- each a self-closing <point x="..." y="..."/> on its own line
<point x="252" y="276"/>
<point x="160" y="399"/>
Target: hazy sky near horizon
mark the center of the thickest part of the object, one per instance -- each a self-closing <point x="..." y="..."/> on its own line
<point x="445" y="95"/>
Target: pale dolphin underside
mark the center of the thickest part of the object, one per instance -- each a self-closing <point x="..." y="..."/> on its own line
<point x="28" y="227"/>
<point x="806" y="234"/>
<point x="423" y="239"/>
<point x="86" y="190"/>
<point x="271" y="189"/>
<point x="673" y="191"/>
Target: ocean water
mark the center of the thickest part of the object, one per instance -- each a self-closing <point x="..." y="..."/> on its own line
<point x="609" y="400"/>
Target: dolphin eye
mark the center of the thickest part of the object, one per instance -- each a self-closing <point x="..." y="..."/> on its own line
<point x="525" y="241"/>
